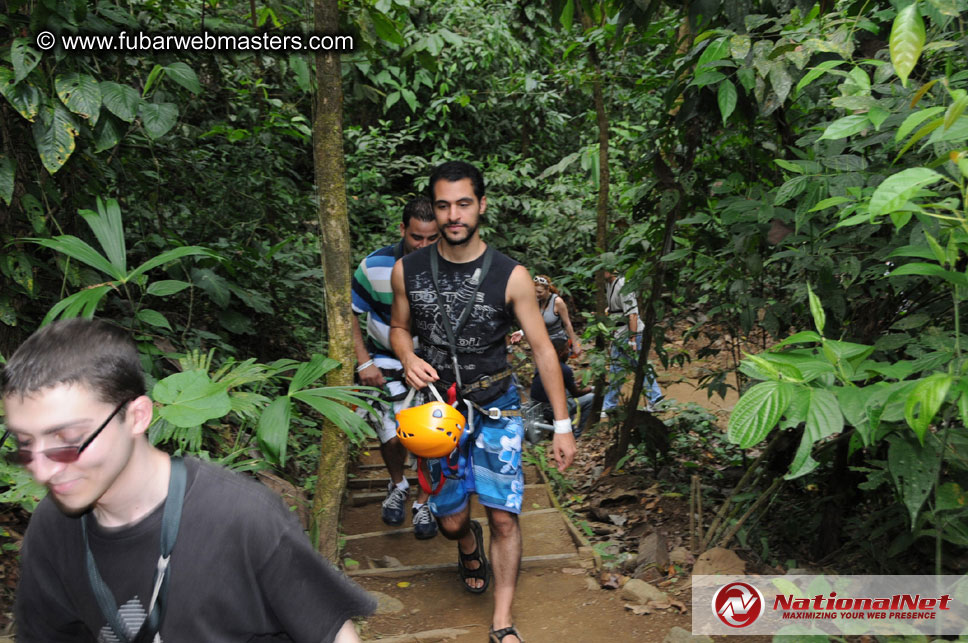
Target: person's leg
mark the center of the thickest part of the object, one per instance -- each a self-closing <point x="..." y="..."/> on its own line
<point x="584" y="406"/>
<point x="499" y="482"/>
<point x="505" y="554"/>
<point x="615" y="380"/>
<point x="395" y="458"/>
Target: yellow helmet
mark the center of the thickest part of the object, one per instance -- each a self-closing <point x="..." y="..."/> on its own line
<point x="430" y="430"/>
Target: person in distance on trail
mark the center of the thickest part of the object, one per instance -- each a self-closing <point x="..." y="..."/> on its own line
<point x="234" y="564"/>
<point x="458" y="298"/>
<point x="579" y="400"/>
<point x="379" y="367"/>
<point x="625" y="343"/>
<point x="554" y="311"/>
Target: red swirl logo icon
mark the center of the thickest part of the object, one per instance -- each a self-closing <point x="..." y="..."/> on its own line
<point x="738" y="604"/>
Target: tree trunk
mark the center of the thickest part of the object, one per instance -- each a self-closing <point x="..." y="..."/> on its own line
<point x="601" y="230"/>
<point x="335" y="250"/>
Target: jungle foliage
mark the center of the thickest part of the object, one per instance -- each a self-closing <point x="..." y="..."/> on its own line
<point x="812" y="159"/>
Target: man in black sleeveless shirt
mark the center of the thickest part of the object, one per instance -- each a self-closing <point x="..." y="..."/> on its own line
<point x="459" y="298"/>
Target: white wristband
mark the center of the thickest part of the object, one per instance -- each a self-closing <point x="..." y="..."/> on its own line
<point x="563" y="426"/>
<point x="367" y="364"/>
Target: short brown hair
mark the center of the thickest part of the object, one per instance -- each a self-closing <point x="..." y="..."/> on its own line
<point x="91" y="352"/>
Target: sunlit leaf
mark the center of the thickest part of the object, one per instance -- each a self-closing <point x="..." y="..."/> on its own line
<point x="54" y="134"/>
<point x="906" y="41"/>
<point x="758" y="411"/>
<point x="898" y="188"/>
<point x="80" y="93"/>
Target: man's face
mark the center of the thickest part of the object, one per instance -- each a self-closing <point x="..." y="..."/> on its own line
<point x="458" y="210"/>
<point x="418" y="234"/>
<point x="66" y="415"/>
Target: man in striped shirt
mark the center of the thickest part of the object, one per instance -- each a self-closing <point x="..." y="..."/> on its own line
<point x="379" y="367"/>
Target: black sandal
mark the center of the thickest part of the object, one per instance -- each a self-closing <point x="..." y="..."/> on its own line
<point x="496" y="636"/>
<point x="477" y="555"/>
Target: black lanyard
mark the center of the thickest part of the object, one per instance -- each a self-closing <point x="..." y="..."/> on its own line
<point x="466" y="313"/>
<point x="169" y="533"/>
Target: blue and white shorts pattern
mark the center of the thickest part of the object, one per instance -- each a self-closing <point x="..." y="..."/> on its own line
<point x="492" y="469"/>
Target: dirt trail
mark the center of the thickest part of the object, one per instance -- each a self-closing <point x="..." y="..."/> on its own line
<point x="559" y="595"/>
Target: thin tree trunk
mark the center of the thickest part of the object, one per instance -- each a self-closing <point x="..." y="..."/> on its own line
<point x="335" y="250"/>
<point x="601" y="230"/>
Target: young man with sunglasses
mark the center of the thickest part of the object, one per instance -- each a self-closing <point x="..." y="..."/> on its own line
<point x="132" y="545"/>
<point x="459" y="297"/>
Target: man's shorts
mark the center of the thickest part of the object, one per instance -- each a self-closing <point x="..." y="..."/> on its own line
<point x="385" y="423"/>
<point x="492" y="465"/>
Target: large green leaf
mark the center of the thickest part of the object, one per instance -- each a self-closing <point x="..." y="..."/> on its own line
<point x="824" y="417"/>
<point x="894" y="191"/>
<point x="121" y="100"/>
<point x="152" y="318"/>
<point x="846" y="126"/>
<point x="8" y="171"/>
<point x="716" y="50"/>
<point x="108" y="229"/>
<point x="914" y="468"/>
<point x="184" y="76"/>
<point x="23" y="96"/>
<point x="567" y="15"/>
<point x="158" y="118"/>
<point x="926" y="398"/>
<point x="166" y="287"/>
<point x="816" y="310"/>
<point x="191" y="398"/>
<point x="54" y="134"/>
<point x="166" y="257"/>
<point x="931" y="270"/>
<point x="108" y="133"/>
<point x="385" y="28"/>
<point x="726" y="97"/>
<point x="23" y="57"/>
<point x="803" y="462"/>
<point x="300" y="68"/>
<point x="309" y="372"/>
<point x="336" y="412"/>
<point x="80" y="304"/>
<point x="758" y="411"/>
<point x="791" y="189"/>
<point x="77" y="249"/>
<point x="272" y="432"/>
<point x="817" y="72"/>
<point x="80" y="93"/>
<point x="906" y="41"/>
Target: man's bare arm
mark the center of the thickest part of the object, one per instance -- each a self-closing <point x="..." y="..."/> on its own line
<point x="371" y="375"/>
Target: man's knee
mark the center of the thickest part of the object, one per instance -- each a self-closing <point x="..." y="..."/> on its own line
<point x="503" y="524"/>
<point x="455" y="526"/>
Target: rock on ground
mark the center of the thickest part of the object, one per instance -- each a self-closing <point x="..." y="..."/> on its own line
<point x="641" y="592"/>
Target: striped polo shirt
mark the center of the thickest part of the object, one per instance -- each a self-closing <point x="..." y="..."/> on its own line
<point x="373" y="295"/>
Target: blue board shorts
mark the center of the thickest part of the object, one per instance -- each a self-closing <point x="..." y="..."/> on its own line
<point x="491" y="467"/>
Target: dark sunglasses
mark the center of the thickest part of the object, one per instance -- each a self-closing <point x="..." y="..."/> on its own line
<point x="542" y="281"/>
<point x="63" y="455"/>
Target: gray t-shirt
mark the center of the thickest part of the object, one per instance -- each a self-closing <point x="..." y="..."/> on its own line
<point x="242" y="570"/>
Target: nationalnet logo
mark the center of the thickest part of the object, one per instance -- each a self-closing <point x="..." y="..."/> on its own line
<point x="738" y="604"/>
<point x="838" y="605"/>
